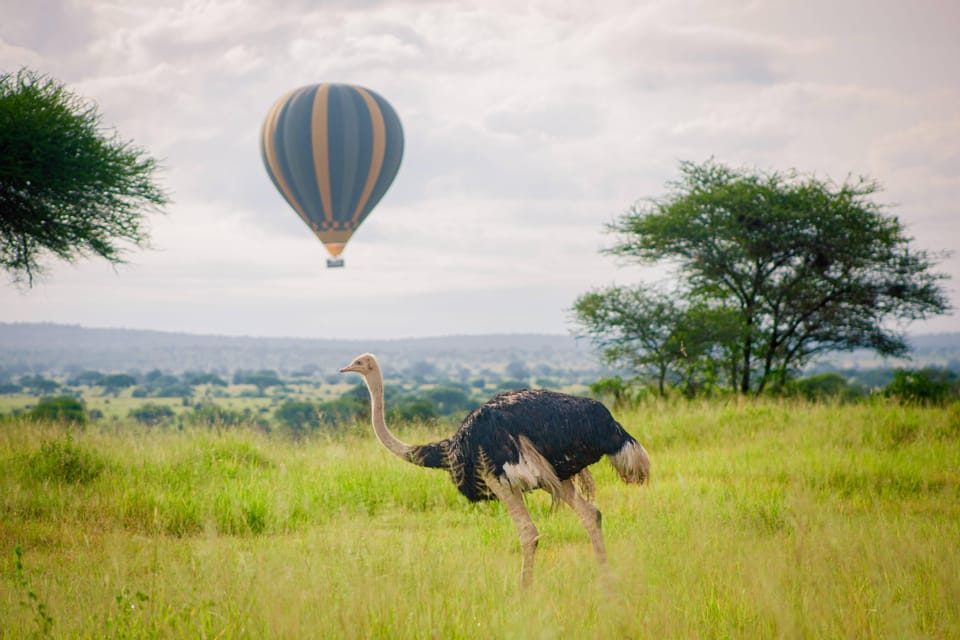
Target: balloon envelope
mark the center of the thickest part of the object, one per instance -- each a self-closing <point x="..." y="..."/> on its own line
<point x="332" y="151"/>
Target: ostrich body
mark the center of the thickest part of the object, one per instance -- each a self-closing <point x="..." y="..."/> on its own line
<point x="520" y="441"/>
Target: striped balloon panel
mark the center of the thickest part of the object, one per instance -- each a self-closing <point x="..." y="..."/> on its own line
<point x="332" y="151"/>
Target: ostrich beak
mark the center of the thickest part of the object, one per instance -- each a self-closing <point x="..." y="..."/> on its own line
<point x="361" y="364"/>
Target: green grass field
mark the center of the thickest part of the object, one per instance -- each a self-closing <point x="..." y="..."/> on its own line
<point x="763" y="520"/>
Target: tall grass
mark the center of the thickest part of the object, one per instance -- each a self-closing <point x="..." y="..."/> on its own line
<point x="763" y="520"/>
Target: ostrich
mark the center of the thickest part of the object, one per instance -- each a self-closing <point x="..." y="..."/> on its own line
<point x="520" y="441"/>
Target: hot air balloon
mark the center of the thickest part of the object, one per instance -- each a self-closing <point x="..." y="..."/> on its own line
<point x="332" y="151"/>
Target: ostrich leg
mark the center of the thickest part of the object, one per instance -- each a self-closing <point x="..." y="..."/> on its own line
<point x="589" y="516"/>
<point x="527" y="531"/>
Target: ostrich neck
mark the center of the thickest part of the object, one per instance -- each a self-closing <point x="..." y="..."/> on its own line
<point x="375" y="386"/>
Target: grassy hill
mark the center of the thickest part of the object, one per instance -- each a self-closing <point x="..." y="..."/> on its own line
<point x="764" y="519"/>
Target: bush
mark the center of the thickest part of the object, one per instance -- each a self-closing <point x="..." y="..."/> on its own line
<point x="413" y="410"/>
<point x="448" y="400"/>
<point x="60" y="409"/>
<point x="152" y="414"/>
<point x="175" y="390"/>
<point x="117" y="382"/>
<point x="620" y="392"/>
<point x="86" y="379"/>
<point x="927" y="386"/>
<point x="337" y="414"/>
<point x="212" y="415"/>
<point x="260" y="379"/>
<point x="297" y="417"/>
<point x="64" y="462"/>
<point x="39" y="384"/>
<point x="827" y="386"/>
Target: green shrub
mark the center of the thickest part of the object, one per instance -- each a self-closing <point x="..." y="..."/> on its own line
<point x="413" y="410"/>
<point x="827" y="386"/>
<point x="616" y="388"/>
<point x="212" y="415"/>
<point x="338" y="414"/>
<point x="297" y="417"/>
<point x="39" y="384"/>
<point x="152" y="414"/>
<point x="927" y="386"/>
<point x="115" y="383"/>
<point x="64" y="462"/>
<point x="449" y="400"/>
<point x="60" y="409"/>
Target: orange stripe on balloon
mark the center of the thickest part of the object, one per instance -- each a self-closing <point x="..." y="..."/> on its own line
<point x="268" y="135"/>
<point x="377" y="154"/>
<point x="321" y="148"/>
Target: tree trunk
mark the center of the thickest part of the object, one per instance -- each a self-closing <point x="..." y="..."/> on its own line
<point x="747" y="353"/>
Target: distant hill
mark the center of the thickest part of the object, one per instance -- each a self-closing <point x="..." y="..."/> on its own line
<point x="39" y="347"/>
<point x="55" y="347"/>
<point x="927" y="350"/>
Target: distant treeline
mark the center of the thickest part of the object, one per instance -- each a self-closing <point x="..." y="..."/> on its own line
<point x="161" y="384"/>
<point x="449" y="401"/>
<point x="52" y="349"/>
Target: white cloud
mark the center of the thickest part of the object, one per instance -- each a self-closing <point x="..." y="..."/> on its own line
<point x="528" y="127"/>
<point x="929" y="148"/>
<point x="13" y="57"/>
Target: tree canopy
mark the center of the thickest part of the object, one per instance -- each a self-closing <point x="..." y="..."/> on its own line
<point x="67" y="187"/>
<point x="659" y="335"/>
<point x="803" y="265"/>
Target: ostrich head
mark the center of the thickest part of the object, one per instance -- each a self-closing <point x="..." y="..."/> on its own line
<point x="365" y="365"/>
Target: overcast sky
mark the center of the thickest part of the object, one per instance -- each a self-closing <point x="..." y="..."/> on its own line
<point x="528" y="127"/>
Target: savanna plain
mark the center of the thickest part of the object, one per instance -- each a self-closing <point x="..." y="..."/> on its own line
<point x="764" y="519"/>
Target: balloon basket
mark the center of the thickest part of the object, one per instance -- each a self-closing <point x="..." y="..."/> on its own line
<point x="334" y="263"/>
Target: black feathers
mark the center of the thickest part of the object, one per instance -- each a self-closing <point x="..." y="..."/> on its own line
<point x="569" y="432"/>
<point x="428" y="455"/>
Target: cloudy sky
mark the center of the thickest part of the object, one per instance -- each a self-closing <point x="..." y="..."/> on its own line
<point x="528" y="127"/>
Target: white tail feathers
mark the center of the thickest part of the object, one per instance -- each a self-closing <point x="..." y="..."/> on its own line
<point x="631" y="462"/>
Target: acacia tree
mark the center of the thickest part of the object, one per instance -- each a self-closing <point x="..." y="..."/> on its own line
<point x="634" y="328"/>
<point x="657" y="335"/>
<point x="808" y="266"/>
<point x="67" y="188"/>
<point x="709" y="335"/>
